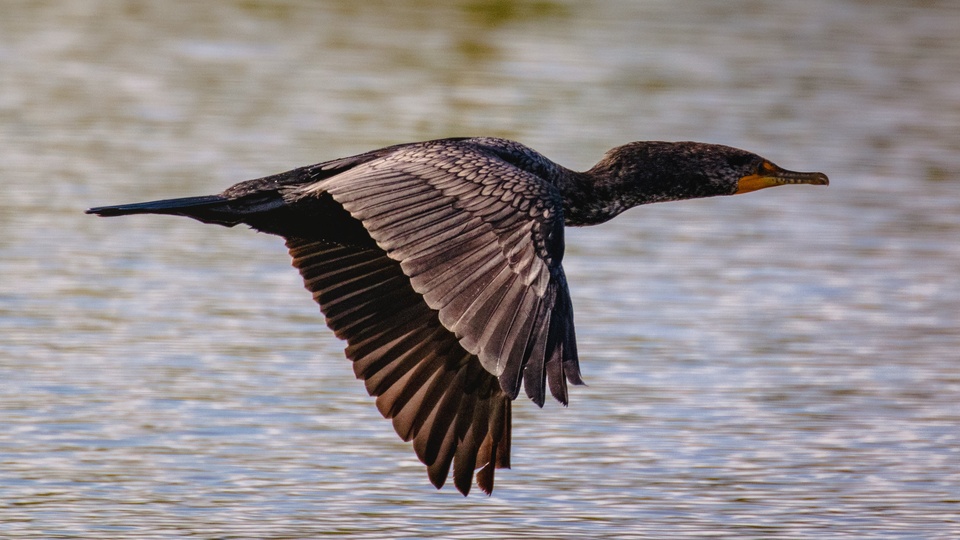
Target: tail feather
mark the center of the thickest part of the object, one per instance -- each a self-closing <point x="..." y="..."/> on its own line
<point x="208" y="209"/>
<point x="166" y="206"/>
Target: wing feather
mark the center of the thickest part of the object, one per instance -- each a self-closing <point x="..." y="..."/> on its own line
<point x="435" y="392"/>
<point x="455" y="301"/>
<point x="460" y="221"/>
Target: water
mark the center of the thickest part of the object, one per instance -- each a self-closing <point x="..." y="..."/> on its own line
<point x="777" y="365"/>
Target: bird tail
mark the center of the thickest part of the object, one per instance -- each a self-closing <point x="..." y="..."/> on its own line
<point x="208" y="209"/>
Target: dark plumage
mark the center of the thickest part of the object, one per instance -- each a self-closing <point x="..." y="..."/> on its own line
<point x="439" y="263"/>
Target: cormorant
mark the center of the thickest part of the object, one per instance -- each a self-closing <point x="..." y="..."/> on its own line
<point x="439" y="263"/>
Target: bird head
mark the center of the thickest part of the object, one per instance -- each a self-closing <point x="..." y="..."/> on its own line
<point x="666" y="171"/>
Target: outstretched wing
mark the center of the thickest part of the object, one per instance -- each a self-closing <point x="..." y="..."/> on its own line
<point x="437" y="394"/>
<point x="481" y="241"/>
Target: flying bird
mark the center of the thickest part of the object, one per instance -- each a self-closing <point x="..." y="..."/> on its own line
<point x="439" y="263"/>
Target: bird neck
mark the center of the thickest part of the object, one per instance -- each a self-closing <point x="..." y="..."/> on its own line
<point x="589" y="199"/>
<point x="608" y="189"/>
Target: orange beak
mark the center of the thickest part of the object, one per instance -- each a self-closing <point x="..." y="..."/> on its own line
<point x="769" y="175"/>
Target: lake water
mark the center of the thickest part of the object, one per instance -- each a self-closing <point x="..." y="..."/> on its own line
<point x="784" y="364"/>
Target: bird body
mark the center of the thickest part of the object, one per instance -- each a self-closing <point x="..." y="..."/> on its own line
<point x="439" y="263"/>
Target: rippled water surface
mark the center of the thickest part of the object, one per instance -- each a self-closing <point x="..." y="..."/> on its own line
<point x="780" y="365"/>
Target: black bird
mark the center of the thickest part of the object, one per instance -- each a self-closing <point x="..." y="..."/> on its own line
<point x="439" y="263"/>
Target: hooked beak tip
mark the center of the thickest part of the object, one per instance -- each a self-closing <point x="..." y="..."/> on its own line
<point x="818" y="179"/>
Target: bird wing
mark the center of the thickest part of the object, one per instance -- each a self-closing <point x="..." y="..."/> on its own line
<point x="437" y="394"/>
<point x="481" y="240"/>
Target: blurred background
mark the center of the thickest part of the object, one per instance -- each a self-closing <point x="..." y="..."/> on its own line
<point x="782" y="364"/>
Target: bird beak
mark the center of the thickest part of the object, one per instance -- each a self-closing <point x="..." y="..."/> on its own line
<point x="769" y="175"/>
